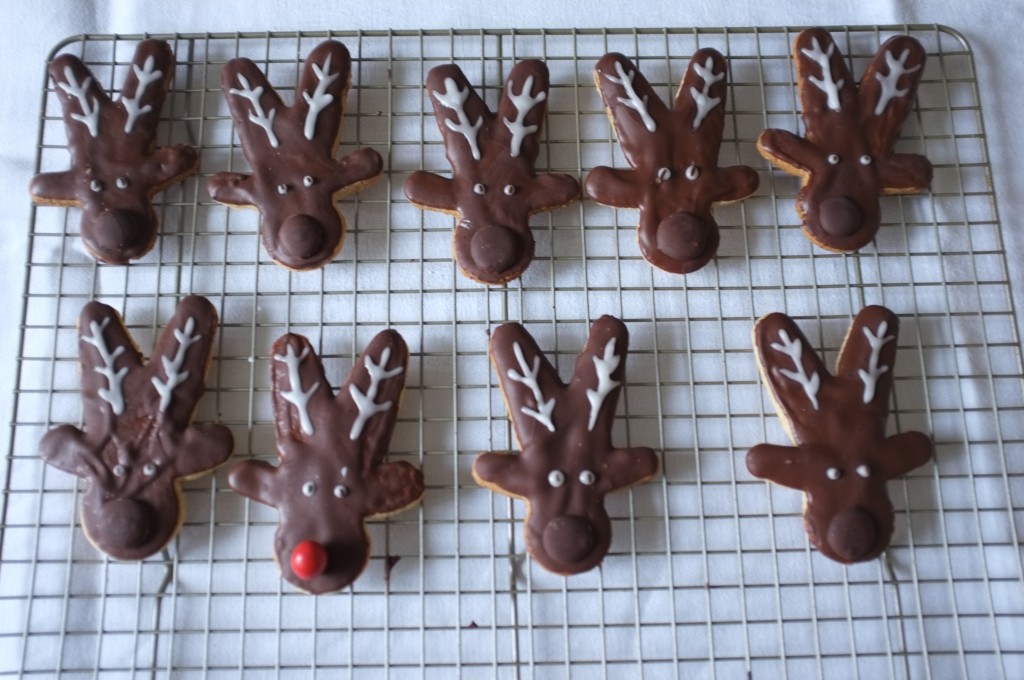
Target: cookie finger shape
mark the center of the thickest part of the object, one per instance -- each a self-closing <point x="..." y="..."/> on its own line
<point x="675" y="179"/>
<point x="332" y="476"/>
<point x="116" y="167"/>
<point x="846" y="158"/>
<point x="842" y="457"/>
<point x="137" y="444"/>
<point x="295" y="181"/>
<point x="494" y="189"/>
<point x="567" y="464"/>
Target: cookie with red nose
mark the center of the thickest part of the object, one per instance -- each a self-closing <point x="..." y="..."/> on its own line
<point x="332" y="475"/>
<point x="842" y="458"/>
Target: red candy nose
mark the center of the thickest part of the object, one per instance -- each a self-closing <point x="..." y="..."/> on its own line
<point x="309" y="559"/>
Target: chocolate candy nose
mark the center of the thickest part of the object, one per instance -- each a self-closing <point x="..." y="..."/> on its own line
<point x="309" y="560"/>
<point x="852" y="534"/>
<point x="568" y="539"/>
<point x="301" y="236"/>
<point x="494" y="249"/>
<point x="839" y="216"/>
<point x="682" y="236"/>
<point x="117" y="229"/>
<point x="130" y="521"/>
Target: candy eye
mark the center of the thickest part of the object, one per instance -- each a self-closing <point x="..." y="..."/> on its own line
<point x="119" y="470"/>
<point x="121" y="182"/>
<point x="864" y="471"/>
<point x="833" y="159"/>
<point x="308" y="181"/>
<point x="509" y="190"/>
<point x="479" y="189"/>
<point x="308" y="489"/>
<point x="282" y="189"/>
<point x="149" y="469"/>
<point x="556" y="478"/>
<point x="341" y="491"/>
<point x="692" y="172"/>
<point x="96" y="185"/>
<point x="833" y="473"/>
<point x="587" y="477"/>
<point x="865" y="160"/>
<point x="664" y="174"/>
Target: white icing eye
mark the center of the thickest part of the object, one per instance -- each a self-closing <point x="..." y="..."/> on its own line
<point x="479" y="189"/>
<point x="344" y="471"/>
<point x="864" y="471"/>
<point x="308" y="181"/>
<point x="833" y="159"/>
<point x="121" y="182"/>
<point x="833" y="473"/>
<point x="664" y="174"/>
<point x="119" y="470"/>
<point x="149" y="469"/>
<point x="96" y="185"/>
<point x="865" y="160"/>
<point x="341" y="491"/>
<point x="308" y="489"/>
<point x="509" y="190"/>
<point x="587" y="477"/>
<point x="282" y="189"/>
<point x="692" y="172"/>
<point x="556" y="478"/>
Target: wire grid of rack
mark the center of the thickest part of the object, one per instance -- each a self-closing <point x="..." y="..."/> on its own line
<point x="710" y="573"/>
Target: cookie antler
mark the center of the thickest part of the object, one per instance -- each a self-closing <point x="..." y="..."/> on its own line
<point x="495" y="189"/>
<point x="296" y="180"/>
<point x="846" y="159"/>
<point x="332" y="476"/>
<point x="567" y="464"/>
<point x="137" y="444"/>
<point x="116" y="168"/>
<point x="842" y="457"/>
<point x="675" y="180"/>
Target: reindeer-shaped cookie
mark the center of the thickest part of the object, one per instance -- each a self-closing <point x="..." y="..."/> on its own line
<point x="675" y="180"/>
<point x="494" y="189"/>
<point x="842" y="457"/>
<point x="138" y="445"/>
<point x="115" y="166"/>
<point x="568" y="463"/>
<point x="332" y="476"/>
<point x="295" y="181"/>
<point x="846" y="158"/>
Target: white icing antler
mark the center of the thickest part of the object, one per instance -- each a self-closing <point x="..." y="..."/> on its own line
<point x="524" y="103"/>
<point x="257" y="115"/>
<point x="632" y="99"/>
<point x="320" y="99"/>
<point x="90" y="115"/>
<point x="528" y="377"/>
<point x="705" y="103"/>
<point x="870" y="377"/>
<point x="146" y="75"/>
<point x="455" y="99"/>
<point x="793" y="349"/>
<point x="172" y="367"/>
<point x="826" y="84"/>
<point x="604" y="366"/>
<point x="111" y="394"/>
<point x="365" y="402"/>
<point x="897" y="69"/>
<point x="295" y="395"/>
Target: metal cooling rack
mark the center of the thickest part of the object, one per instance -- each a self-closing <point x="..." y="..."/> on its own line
<point x="710" y="573"/>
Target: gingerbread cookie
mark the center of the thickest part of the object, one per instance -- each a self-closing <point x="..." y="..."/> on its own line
<point x="494" y="189"/>
<point x="842" y="457"/>
<point x="296" y="180"/>
<point x="138" y="445"/>
<point x="675" y="180"/>
<point x="846" y="157"/>
<point x="115" y="166"/>
<point x="568" y="463"/>
<point x="332" y="476"/>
